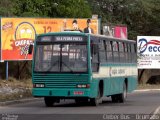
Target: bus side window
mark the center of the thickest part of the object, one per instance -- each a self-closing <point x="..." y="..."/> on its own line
<point x="121" y="52"/>
<point x="115" y="51"/>
<point x="95" y="57"/>
<point x="129" y="53"/>
<point x="109" y="51"/>
<point x="126" y="52"/>
<point x="102" y="53"/>
<point x="133" y="52"/>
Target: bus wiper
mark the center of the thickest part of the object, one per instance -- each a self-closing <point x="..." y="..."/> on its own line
<point x="53" y="64"/>
<point x="68" y="67"/>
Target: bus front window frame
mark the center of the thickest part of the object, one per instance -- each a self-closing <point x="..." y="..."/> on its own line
<point x="62" y="65"/>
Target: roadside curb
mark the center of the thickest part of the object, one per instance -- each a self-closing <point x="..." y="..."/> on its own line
<point x="146" y="90"/>
<point x="18" y="101"/>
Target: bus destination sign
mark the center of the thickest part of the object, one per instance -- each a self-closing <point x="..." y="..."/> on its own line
<point x="62" y="39"/>
<point x="68" y="38"/>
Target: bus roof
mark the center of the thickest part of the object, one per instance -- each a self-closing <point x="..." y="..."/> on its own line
<point x="86" y="34"/>
<point x="113" y="38"/>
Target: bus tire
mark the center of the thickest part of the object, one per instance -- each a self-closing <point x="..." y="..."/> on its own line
<point x="85" y="100"/>
<point x="96" y="101"/>
<point x="114" y="98"/>
<point x="77" y="101"/>
<point x="123" y="96"/>
<point x="49" y="101"/>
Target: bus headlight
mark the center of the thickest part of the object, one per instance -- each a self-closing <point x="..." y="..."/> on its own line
<point x="83" y="86"/>
<point x="38" y="85"/>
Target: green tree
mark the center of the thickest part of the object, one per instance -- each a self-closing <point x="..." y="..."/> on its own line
<point x="6" y="8"/>
<point x="52" y="8"/>
<point x="140" y="16"/>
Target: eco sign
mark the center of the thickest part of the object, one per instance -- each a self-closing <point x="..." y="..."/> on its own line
<point x="18" y="33"/>
<point x="148" y="52"/>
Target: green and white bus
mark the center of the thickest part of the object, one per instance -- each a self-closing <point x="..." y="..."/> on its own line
<point x="84" y="67"/>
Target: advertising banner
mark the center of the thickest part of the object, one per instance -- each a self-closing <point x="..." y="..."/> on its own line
<point x="148" y="52"/>
<point x="120" y="32"/>
<point x="108" y="30"/>
<point x="115" y="31"/>
<point x="18" y="33"/>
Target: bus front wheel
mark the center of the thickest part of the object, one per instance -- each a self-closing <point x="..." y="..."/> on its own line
<point x="49" y="101"/>
<point x="96" y="101"/>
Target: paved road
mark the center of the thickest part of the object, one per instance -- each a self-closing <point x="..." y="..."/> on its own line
<point x="137" y="103"/>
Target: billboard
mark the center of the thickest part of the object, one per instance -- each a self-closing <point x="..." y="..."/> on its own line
<point x="18" y="33"/>
<point x="148" y="52"/>
<point x="108" y="30"/>
<point x="120" y="32"/>
<point x="115" y="31"/>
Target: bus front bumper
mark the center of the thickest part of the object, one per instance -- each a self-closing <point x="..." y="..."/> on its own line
<point x="77" y="92"/>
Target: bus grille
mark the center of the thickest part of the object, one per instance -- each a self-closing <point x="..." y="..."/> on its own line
<point x="60" y="80"/>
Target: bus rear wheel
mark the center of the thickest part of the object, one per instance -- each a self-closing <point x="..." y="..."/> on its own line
<point x="49" y="101"/>
<point x="123" y="96"/>
<point x="115" y="98"/>
<point x="120" y="97"/>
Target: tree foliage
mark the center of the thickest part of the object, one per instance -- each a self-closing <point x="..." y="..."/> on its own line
<point x="6" y="8"/>
<point x="52" y="8"/>
<point x="140" y="16"/>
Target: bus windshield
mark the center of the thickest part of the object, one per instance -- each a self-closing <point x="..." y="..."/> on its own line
<point x="61" y="57"/>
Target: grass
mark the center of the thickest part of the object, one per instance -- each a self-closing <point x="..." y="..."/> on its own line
<point x="15" y="96"/>
<point x="12" y="82"/>
<point x="23" y="85"/>
<point x="148" y="86"/>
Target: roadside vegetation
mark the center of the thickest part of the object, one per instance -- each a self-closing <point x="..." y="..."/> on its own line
<point x="13" y="89"/>
<point x="148" y="86"/>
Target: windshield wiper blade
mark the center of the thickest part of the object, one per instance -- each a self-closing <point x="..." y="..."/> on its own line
<point x="68" y="67"/>
<point x="53" y="64"/>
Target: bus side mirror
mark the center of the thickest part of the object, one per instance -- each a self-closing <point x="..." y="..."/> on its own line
<point x="30" y="49"/>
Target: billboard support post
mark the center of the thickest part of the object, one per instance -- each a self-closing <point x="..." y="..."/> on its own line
<point x="6" y="70"/>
